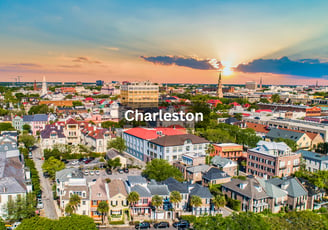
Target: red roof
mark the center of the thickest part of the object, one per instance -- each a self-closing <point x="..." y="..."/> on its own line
<point x="214" y="102"/>
<point x="263" y="110"/>
<point x="247" y="105"/>
<point x="148" y="134"/>
<point x="89" y="99"/>
<point x="100" y="102"/>
<point x="234" y="104"/>
<point x="246" y="114"/>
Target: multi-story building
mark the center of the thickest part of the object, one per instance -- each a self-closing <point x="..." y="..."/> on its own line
<point x="137" y="140"/>
<point x="171" y="148"/>
<point x="99" y="192"/>
<point x="18" y="123"/>
<point x="117" y="200"/>
<point x="140" y="94"/>
<point x="226" y="165"/>
<point x="269" y="159"/>
<point x="37" y="122"/>
<point x="52" y="135"/>
<point x="204" y="193"/>
<point x="314" y="161"/>
<point x="72" y="132"/>
<point x="215" y="176"/>
<point x="231" y="151"/>
<point x="188" y="160"/>
<point x="252" y="85"/>
<point x="96" y="138"/>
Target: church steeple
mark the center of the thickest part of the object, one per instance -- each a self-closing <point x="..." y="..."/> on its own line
<point x="219" y="92"/>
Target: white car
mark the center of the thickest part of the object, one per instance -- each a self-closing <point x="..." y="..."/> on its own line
<point x="97" y="172"/>
<point x="92" y="172"/>
<point x="39" y="205"/>
<point x="15" y="225"/>
<point x="75" y="162"/>
<point x="86" y="172"/>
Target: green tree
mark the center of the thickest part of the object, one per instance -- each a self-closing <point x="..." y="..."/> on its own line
<point x="275" y="98"/>
<point x="73" y="204"/>
<point x="175" y="198"/>
<point x="157" y="201"/>
<point x="110" y="124"/>
<point x="219" y="201"/>
<point x="27" y="127"/>
<point x="27" y="140"/>
<point x="6" y="127"/>
<point x="160" y="169"/>
<point x="118" y="144"/>
<point x="39" y="109"/>
<point x="133" y="198"/>
<point x="77" y="103"/>
<point x="322" y="148"/>
<point x="103" y="208"/>
<point x="52" y="165"/>
<point x="195" y="201"/>
<point x="114" y="163"/>
<point x="22" y="207"/>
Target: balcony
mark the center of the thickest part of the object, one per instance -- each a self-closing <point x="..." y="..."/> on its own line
<point x="260" y="204"/>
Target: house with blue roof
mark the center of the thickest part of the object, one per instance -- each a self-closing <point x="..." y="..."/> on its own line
<point x="36" y="121"/>
<point x="314" y="161"/>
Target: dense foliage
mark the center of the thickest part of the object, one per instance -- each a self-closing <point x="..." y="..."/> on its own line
<point x="39" y="109"/>
<point x="118" y="143"/>
<point x="21" y="207"/>
<point x="52" y="165"/>
<point x="6" y="127"/>
<point x="73" y="222"/>
<point x="292" y="144"/>
<point x="160" y="169"/>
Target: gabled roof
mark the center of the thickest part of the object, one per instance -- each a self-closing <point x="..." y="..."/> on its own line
<point x="67" y="173"/>
<point x="136" y="180"/>
<point x="259" y="128"/>
<point x="142" y="191"/>
<point x="201" y="191"/>
<point x="198" y="168"/>
<point x="175" y="185"/>
<point x="9" y="185"/>
<point x="291" y="184"/>
<point x="272" y="190"/>
<point x="214" y="174"/>
<point x="98" y="190"/>
<point x="311" y="188"/>
<point x="35" y="117"/>
<point x="250" y="188"/>
<point x="51" y="129"/>
<point x="158" y="189"/>
<point x="117" y="187"/>
<point x="222" y="162"/>
<point x="313" y="155"/>
<point x="286" y="134"/>
<point x="177" y="140"/>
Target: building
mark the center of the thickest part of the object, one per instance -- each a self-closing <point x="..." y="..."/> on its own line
<point x="252" y="85"/>
<point x="252" y="194"/>
<point x="194" y="174"/>
<point x="297" y="194"/>
<point x="226" y="165"/>
<point x="172" y="147"/>
<point x="113" y="154"/>
<point x="140" y="94"/>
<point x="18" y="123"/>
<point x="189" y="159"/>
<point x="313" y="112"/>
<point x="72" y="132"/>
<point x="137" y="140"/>
<point x="204" y="193"/>
<point x="99" y="83"/>
<point x="117" y="200"/>
<point x="52" y="135"/>
<point x="163" y="212"/>
<point x="219" y="92"/>
<point x="44" y="89"/>
<point x="231" y="151"/>
<point x="99" y="192"/>
<point x="314" y="161"/>
<point x="37" y="122"/>
<point x="96" y="138"/>
<point x="316" y="196"/>
<point x="215" y="176"/>
<point x="270" y="159"/>
<point x="302" y="140"/>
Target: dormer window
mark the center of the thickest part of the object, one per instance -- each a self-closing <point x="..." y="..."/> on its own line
<point x="98" y="194"/>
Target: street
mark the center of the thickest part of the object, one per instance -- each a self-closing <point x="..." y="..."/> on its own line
<point x="47" y="195"/>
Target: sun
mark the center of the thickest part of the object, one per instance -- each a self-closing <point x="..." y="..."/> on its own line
<point x="226" y="68"/>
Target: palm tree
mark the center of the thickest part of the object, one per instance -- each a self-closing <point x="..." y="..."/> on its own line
<point x="210" y="149"/>
<point x="195" y="201"/>
<point x="103" y="208"/>
<point x="69" y="209"/>
<point x="175" y="198"/>
<point x="74" y="201"/>
<point x="219" y="201"/>
<point x="133" y="198"/>
<point x="157" y="201"/>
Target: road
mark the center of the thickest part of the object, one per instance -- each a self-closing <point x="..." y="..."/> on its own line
<point x="47" y="195"/>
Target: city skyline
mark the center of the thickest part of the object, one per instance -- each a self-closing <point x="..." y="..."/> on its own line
<point x="282" y="42"/>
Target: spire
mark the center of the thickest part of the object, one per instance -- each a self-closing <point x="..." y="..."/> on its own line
<point x="34" y="86"/>
<point x="261" y="83"/>
<point x="219" y="92"/>
<point x="44" y="86"/>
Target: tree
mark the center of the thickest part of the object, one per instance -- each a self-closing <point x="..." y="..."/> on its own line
<point x="118" y="144"/>
<point x="103" y="208"/>
<point x="160" y="169"/>
<point x="275" y="98"/>
<point x="133" y="197"/>
<point x="39" y="109"/>
<point x="114" y="163"/>
<point x="6" y="127"/>
<point x="195" y="201"/>
<point x="27" y="140"/>
<point x="77" y="103"/>
<point x="53" y="165"/>
<point x="110" y="124"/>
<point x="210" y="149"/>
<point x="73" y="204"/>
<point x="73" y="222"/>
<point x="219" y="201"/>
<point x="322" y="148"/>
<point x="175" y="198"/>
<point x="22" y="207"/>
<point x="27" y="127"/>
<point x="157" y="201"/>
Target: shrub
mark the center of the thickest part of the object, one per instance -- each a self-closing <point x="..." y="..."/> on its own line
<point x="116" y="222"/>
<point x="189" y="218"/>
<point x="234" y="204"/>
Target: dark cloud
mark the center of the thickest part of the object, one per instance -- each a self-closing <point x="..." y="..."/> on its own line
<point x="85" y="60"/>
<point x="203" y="64"/>
<point x="302" y="67"/>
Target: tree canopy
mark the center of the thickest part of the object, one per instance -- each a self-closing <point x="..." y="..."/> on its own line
<point x="52" y="165"/>
<point x="39" y="109"/>
<point x="118" y="144"/>
<point x="160" y="169"/>
<point x="27" y="140"/>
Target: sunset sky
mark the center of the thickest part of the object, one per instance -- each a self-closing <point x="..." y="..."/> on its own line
<point x="283" y="41"/>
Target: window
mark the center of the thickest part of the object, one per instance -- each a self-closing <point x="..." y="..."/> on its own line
<point x="94" y="202"/>
<point x="83" y="202"/>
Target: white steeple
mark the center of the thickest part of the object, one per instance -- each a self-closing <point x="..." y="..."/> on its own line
<point x="44" y="86"/>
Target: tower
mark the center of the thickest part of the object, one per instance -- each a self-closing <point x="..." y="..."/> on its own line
<point x="219" y="93"/>
<point x="44" y="86"/>
<point x="34" y="86"/>
<point x="317" y="84"/>
<point x="261" y="83"/>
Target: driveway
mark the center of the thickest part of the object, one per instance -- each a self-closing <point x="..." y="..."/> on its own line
<point x="47" y="195"/>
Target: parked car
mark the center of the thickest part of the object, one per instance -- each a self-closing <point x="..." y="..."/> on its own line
<point x="126" y="170"/>
<point x="92" y="158"/>
<point x="81" y="159"/>
<point x="162" y="225"/>
<point x="30" y="155"/>
<point x="109" y="171"/>
<point x="97" y="172"/>
<point x="143" y="225"/>
<point x="39" y="194"/>
<point x="75" y="162"/>
<point x="40" y="204"/>
<point x="181" y="224"/>
<point x="86" y="172"/>
<point x="46" y="175"/>
<point x="87" y="161"/>
<point x="120" y="171"/>
<point x="65" y="161"/>
<point x="91" y="172"/>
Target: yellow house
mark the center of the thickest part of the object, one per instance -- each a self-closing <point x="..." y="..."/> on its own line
<point x="117" y="200"/>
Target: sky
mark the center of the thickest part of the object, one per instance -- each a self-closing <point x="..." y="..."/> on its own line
<point x="184" y="41"/>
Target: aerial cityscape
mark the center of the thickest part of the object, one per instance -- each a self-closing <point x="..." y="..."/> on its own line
<point x="163" y="114"/>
